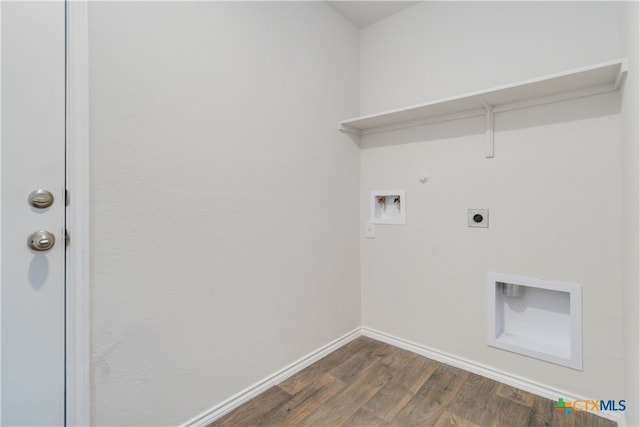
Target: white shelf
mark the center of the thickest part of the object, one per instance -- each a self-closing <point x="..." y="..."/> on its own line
<point x="599" y="78"/>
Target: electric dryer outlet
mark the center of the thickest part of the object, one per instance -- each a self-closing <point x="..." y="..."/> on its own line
<point x="478" y="218"/>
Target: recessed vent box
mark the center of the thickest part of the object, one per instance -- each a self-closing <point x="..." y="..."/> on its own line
<point x="536" y="318"/>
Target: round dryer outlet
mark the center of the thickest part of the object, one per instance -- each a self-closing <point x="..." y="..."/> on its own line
<point x="478" y="218"/>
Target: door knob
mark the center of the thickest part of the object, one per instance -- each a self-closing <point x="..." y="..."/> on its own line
<point x="41" y="199"/>
<point x="41" y="240"/>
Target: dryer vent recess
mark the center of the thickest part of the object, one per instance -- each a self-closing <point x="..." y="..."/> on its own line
<point x="535" y="318"/>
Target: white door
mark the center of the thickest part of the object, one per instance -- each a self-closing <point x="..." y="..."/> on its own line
<point x="32" y="154"/>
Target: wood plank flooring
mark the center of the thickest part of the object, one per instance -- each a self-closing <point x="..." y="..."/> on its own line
<point x="369" y="383"/>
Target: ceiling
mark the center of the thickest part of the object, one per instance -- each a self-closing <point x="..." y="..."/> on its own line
<point x="363" y="13"/>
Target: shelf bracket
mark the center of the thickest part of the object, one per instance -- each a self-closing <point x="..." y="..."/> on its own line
<point x="488" y="129"/>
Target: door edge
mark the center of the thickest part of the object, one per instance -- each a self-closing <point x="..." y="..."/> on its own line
<point x="77" y="342"/>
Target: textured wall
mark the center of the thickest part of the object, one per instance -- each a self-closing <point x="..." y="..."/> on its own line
<point x="553" y="188"/>
<point x="440" y="49"/>
<point x="224" y="201"/>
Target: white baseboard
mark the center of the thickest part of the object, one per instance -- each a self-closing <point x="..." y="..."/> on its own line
<point x="249" y="393"/>
<point x="503" y="377"/>
<point x="486" y="371"/>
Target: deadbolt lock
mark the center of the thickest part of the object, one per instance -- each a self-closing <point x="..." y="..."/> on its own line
<point x="41" y="240"/>
<point x="41" y="199"/>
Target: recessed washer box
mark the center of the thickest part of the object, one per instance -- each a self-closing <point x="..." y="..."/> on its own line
<point x="387" y="207"/>
<point x="537" y="318"/>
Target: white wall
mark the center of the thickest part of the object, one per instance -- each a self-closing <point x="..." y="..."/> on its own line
<point x="630" y="115"/>
<point x="440" y="49"/>
<point x="553" y="189"/>
<point x="224" y="202"/>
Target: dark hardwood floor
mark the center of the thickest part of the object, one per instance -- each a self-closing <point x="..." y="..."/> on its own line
<point x="369" y="383"/>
